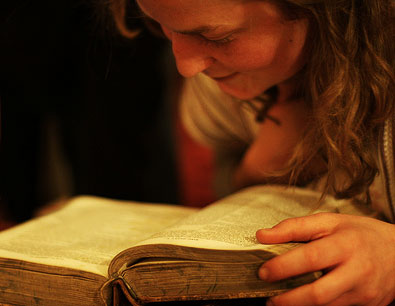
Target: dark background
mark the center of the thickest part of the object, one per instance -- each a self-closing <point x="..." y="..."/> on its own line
<point x="70" y="84"/>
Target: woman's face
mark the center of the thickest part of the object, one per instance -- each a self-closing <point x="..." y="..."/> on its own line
<point x="246" y="46"/>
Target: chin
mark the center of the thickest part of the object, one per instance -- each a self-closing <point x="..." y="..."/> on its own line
<point x="240" y="93"/>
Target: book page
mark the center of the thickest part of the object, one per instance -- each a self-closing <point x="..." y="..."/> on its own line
<point x="232" y="222"/>
<point x="87" y="233"/>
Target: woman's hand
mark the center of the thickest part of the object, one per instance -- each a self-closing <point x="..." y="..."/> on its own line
<point x="358" y="254"/>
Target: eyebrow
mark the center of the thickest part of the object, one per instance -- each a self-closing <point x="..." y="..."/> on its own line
<point x="199" y="30"/>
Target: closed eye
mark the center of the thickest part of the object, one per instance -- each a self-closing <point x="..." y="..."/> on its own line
<point x="220" y="41"/>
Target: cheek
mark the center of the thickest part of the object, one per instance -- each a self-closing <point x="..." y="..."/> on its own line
<point x="249" y="56"/>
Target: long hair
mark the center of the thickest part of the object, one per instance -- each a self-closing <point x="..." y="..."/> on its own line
<point x="348" y="82"/>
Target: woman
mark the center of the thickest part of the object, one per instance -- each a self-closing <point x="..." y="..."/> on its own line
<point x="297" y="92"/>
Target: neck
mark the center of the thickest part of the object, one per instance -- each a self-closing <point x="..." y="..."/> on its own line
<point x="286" y="90"/>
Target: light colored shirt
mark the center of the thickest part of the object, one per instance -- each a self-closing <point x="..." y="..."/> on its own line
<point x="228" y="126"/>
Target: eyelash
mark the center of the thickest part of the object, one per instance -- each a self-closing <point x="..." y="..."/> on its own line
<point x="218" y="42"/>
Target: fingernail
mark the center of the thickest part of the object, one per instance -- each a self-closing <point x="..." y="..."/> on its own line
<point x="262" y="231"/>
<point x="269" y="303"/>
<point x="263" y="273"/>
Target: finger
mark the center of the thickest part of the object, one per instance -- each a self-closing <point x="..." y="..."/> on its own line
<point x="351" y="298"/>
<point x="300" y="229"/>
<point x="313" y="256"/>
<point x="388" y="299"/>
<point x="363" y="297"/>
<point x="323" y="291"/>
<point x="346" y="299"/>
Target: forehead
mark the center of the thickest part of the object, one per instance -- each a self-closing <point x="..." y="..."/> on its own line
<point x="188" y="5"/>
<point x="182" y="11"/>
<point x="184" y="14"/>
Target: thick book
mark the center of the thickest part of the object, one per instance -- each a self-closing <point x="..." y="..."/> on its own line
<point x="98" y="251"/>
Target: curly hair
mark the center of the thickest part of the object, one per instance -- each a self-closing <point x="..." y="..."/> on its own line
<point x="348" y="83"/>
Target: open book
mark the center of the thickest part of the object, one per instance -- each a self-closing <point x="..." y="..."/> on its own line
<point x="96" y="250"/>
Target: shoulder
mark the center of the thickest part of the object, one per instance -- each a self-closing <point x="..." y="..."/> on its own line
<point x="213" y="116"/>
<point x="202" y="90"/>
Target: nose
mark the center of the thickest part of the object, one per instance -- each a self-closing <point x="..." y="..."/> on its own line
<point x="191" y="56"/>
